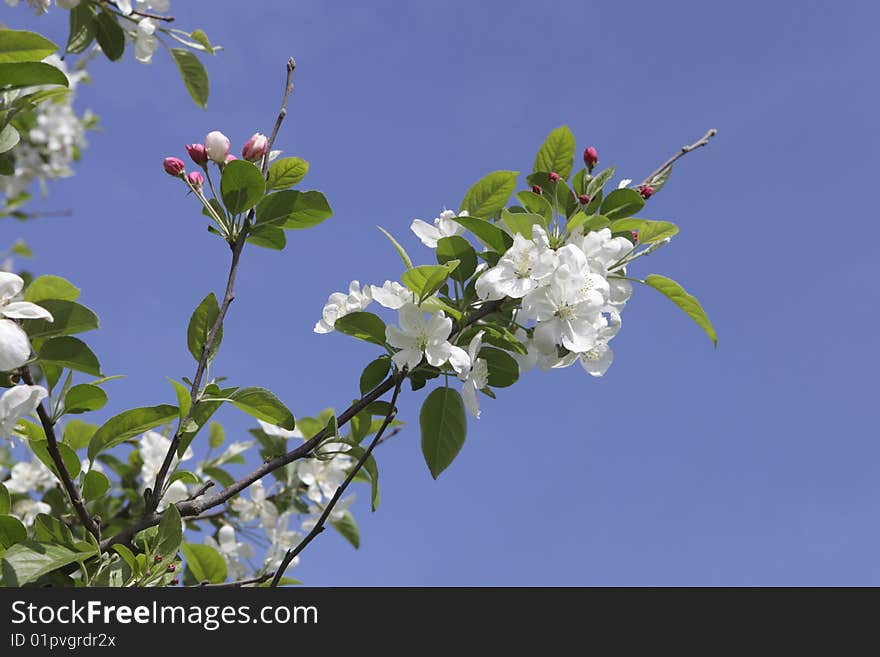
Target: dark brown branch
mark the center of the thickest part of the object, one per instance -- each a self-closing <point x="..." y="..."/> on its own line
<point x="68" y="482"/>
<point x="288" y="89"/>
<point x="328" y="509"/>
<point x="684" y="150"/>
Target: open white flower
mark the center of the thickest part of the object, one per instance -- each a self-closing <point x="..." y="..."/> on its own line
<point x="281" y="538"/>
<point x="232" y="550"/>
<point x="574" y="269"/>
<point x="337" y="514"/>
<point x="15" y="348"/>
<point x="444" y="226"/>
<point x="17" y="402"/>
<point x="417" y="337"/>
<point x="29" y="476"/>
<point x="475" y="378"/>
<point x="392" y="295"/>
<point x="322" y="478"/>
<point x="256" y="507"/>
<point x="524" y="267"/>
<point x="340" y="304"/>
<point x="27" y="510"/>
<point x="145" y="42"/>
<point x="563" y="316"/>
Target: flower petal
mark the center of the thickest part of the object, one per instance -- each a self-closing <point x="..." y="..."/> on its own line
<point x="14" y="346"/>
<point x="26" y="310"/>
<point x="10" y="284"/>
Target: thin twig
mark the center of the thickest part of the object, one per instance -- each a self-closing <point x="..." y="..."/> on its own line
<point x="684" y="150"/>
<point x="52" y="446"/>
<point x="265" y="577"/>
<point x="328" y="509"/>
<point x="288" y="89"/>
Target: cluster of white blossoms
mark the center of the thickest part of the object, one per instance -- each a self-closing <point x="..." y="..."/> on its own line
<point x="153" y="448"/>
<point x="570" y="294"/>
<point x="570" y="303"/>
<point x="53" y="142"/>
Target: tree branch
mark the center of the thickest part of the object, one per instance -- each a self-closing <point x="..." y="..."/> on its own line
<point x="684" y="150"/>
<point x="69" y="484"/>
<point x="142" y="14"/>
<point x="265" y="577"/>
<point x="288" y="89"/>
<point x="328" y="509"/>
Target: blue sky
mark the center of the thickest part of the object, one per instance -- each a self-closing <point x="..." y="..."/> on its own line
<point x="756" y="463"/>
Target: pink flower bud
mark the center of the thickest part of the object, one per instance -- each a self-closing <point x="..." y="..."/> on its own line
<point x="537" y="190"/>
<point x="646" y="191"/>
<point x="171" y="568"/>
<point x="217" y="146"/>
<point x="554" y="176"/>
<point x="196" y="179"/>
<point x="175" y="581"/>
<point x="173" y="166"/>
<point x="197" y="153"/>
<point x="591" y="157"/>
<point x="583" y="199"/>
<point x="635" y="237"/>
<point x="255" y="147"/>
<point x="230" y="158"/>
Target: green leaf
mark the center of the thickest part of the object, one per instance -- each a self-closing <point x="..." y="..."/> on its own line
<point x="536" y="204"/>
<point x="261" y="404"/>
<point x="216" y="435"/>
<point x="363" y="326"/>
<point x="503" y="368"/>
<point x="556" y="153"/>
<point x="348" y="528"/>
<point x="82" y="28"/>
<point x="622" y="203"/>
<point x="9" y="138"/>
<point x="489" y="234"/>
<point x="521" y="222"/>
<point x="71" y="461"/>
<point x="49" y="529"/>
<point x="72" y="353"/>
<point x="69" y="318"/>
<point x="659" y="181"/>
<point x="241" y="186"/>
<point x="51" y="287"/>
<point x="95" y="485"/>
<point x="77" y="433"/>
<point x="286" y="172"/>
<point x="676" y="293"/>
<point x="427" y="279"/>
<point x="127" y="556"/>
<point x="194" y="76"/>
<point x="83" y="398"/>
<point x="407" y="261"/>
<point x="220" y="475"/>
<point x="110" y="35"/>
<point x="24" y="46"/>
<point x="457" y="248"/>
<point x="597" y="183"/>
<point x="11" y="531"/>
<point x="201" y="38"/>
<point x="185" y="476"/>
<point x="649" y="231"/>
<point x="444" y="427"/>
<point x="370" y="467"/>
<point x="184" y="400"/>
<point x="200" y="323"/>
<point x="29" y="74"/>
<point x="293" y="209"/>
<point x="128" y="424"/>
<point x="170" y="533"/>
<point x="374" y="374"/>
<point x="204" y="562"/>
<point x="5" y="499"/>
<point x="268" y="237"/>
<point x="489" y="194"/>
<point x="27" y="561"/>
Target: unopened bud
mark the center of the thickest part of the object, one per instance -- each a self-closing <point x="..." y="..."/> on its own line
<point x="583" y="199"/>
<point x="198" y="153"/>
<point x="255" y="147"/>
<point x="171" y="568"/>
<point x="158" y="558"/>
<point x="196" y="179"/>
<point x="217" y="146"/>
<point x="537" y="190"/>
<point x="554" y="176"/>
<point x="635" y="237"/>
<point x="646" y="191"/>
<point x="591" y="157"/>
<point x="173" y="166"/>
<point x="230" y="158"/>
<point x="175" y="582"/>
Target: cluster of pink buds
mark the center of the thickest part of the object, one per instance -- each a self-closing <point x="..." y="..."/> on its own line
<point x="215" y="149"/>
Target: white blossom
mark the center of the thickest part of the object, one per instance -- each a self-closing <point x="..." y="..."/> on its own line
<point x="279" y="432"/>
<point x="29" y="476"/>
<point x="340" y="304"/>
<point x="27" y="510"/>
<point x="281" y="539"/>
<point x="145" y="43"/>
<point x="15" y="403"/>
<point x="417" y="337"/>
<point x="323" y="477"/>
<point x="232" y="551"/>
<point x="256" y="507"/>
<point x="624" y="183"/>
<point x="444" y="226"/>
<point x="475" y="378"/>
<point x="337" y="514"/>
<point x="153" y="448"/>
<point x="392" y="295"/>
<point x="15" y="348"/>
<point x="525" y="266"/>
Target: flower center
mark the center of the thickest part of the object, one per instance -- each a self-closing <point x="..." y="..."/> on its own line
<point x="523" y="267"/>
<point x="565" y="312"/>
<point x="422" y="341"/>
